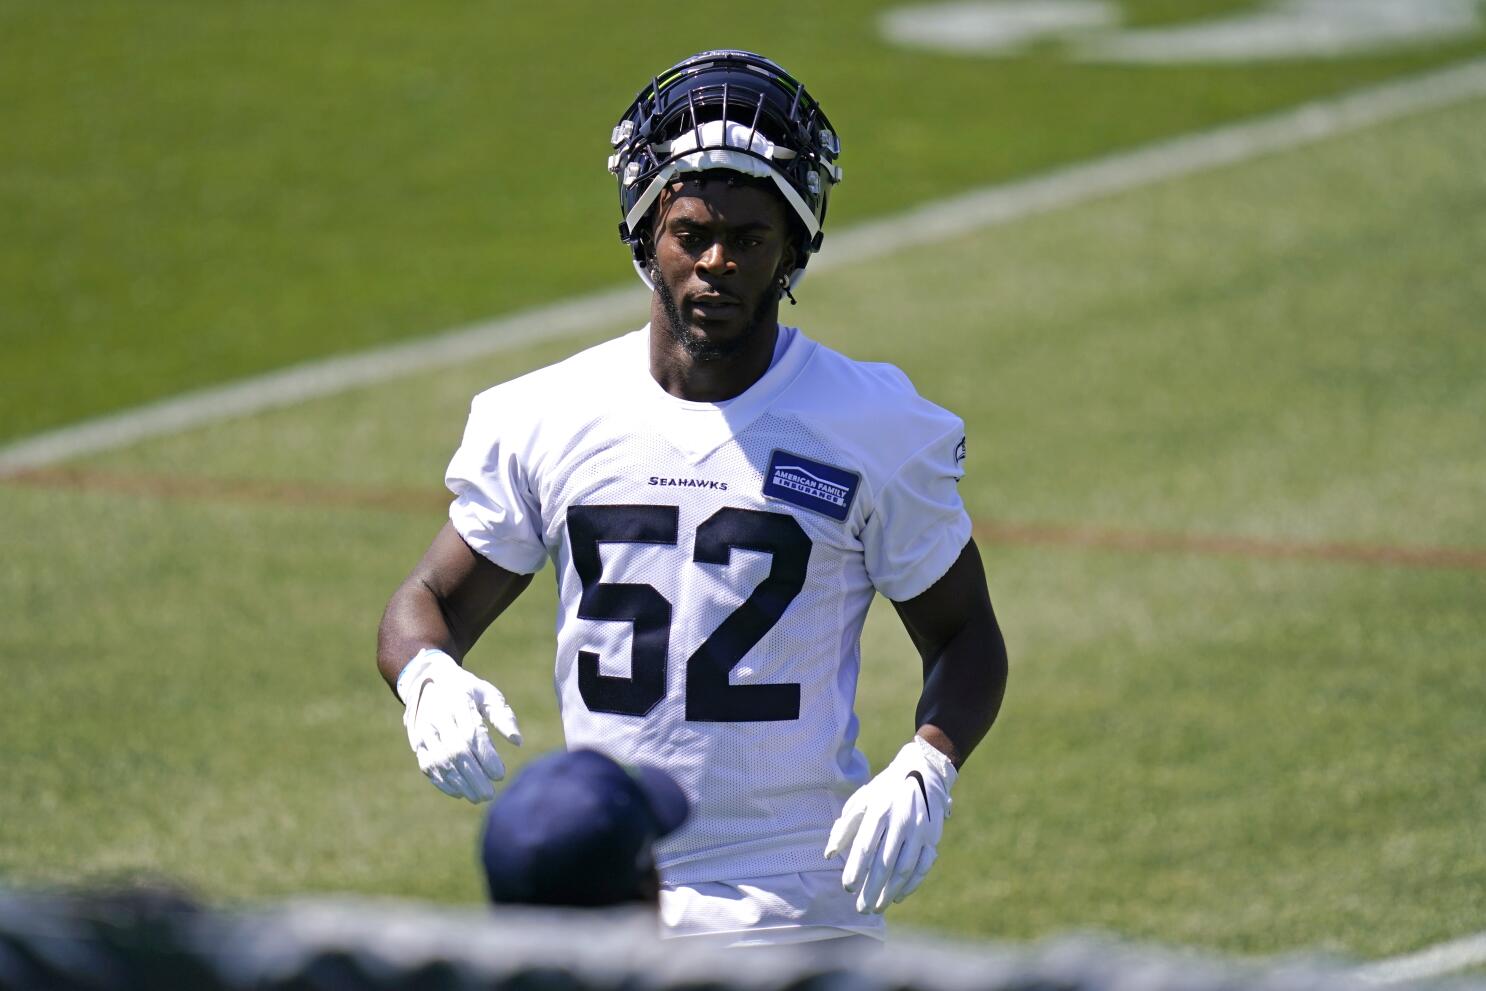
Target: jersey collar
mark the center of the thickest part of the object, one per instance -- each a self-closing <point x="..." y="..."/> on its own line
<point x="697" y="429"/>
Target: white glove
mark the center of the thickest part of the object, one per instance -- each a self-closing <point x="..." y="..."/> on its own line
<point x="445" y="718"/>
<point x="892" y="826"/>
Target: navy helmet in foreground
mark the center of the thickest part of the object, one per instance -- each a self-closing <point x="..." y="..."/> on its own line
<point x="730" y="110"/>
<point x="576" y="829"/>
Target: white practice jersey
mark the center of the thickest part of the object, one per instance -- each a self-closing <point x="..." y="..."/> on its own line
<point x="714" y="566"/>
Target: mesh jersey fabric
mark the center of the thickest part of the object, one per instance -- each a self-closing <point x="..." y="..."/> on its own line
<point x="703" y="625"/>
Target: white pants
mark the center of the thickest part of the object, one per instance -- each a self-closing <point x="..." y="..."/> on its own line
<point x="763" y="911"/>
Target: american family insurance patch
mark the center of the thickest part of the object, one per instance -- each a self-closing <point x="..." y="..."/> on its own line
<point x="820" y="488"/>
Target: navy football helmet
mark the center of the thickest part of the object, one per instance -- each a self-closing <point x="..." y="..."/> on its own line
<point x="730" y="110"/>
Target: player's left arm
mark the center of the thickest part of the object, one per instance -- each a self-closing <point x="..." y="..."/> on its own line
<point x="890" y="828"/>
<point x="955" y="631"/>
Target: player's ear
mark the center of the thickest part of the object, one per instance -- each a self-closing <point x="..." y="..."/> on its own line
<point x="647" y="246"/>
<point x="787" y="262"/>
<point x="644" y="246"/>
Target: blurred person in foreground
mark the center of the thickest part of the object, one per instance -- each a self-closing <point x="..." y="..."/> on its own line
<point x="722" y="497"/>
<point x="577" y="829"/>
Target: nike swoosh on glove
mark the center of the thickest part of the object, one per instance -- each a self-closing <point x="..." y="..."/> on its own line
<point x="890" y="828"/>
<point x="447" y="708"/>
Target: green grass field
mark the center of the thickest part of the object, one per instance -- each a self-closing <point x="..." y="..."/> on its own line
<point x="1233" y="751"/>
<point x="194" y="192"/>
<point x="1265" y="742"/>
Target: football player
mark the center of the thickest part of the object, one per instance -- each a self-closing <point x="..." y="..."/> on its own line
<point x="721" y="497"/>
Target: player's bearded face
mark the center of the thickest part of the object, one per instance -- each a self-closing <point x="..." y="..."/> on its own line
<point x="720" y="245"/>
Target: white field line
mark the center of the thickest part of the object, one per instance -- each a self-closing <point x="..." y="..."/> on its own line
<point x="1432" y="961"/>
<point x="931" y="223"/>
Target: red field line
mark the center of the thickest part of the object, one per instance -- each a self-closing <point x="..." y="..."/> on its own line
<point x="432" y="502"/>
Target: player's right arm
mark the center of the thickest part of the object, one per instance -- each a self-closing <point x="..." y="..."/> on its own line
<point x="430" y="623"/>
<point x="446" y="603"/>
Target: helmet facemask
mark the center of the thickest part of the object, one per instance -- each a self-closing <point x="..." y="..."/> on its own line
<point x="733" y="111"/>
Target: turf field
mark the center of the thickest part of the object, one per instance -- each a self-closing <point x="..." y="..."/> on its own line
<point x="192" y="192"/>
<point x="1225" y="459"/>
<point x="1214" y="745"/>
